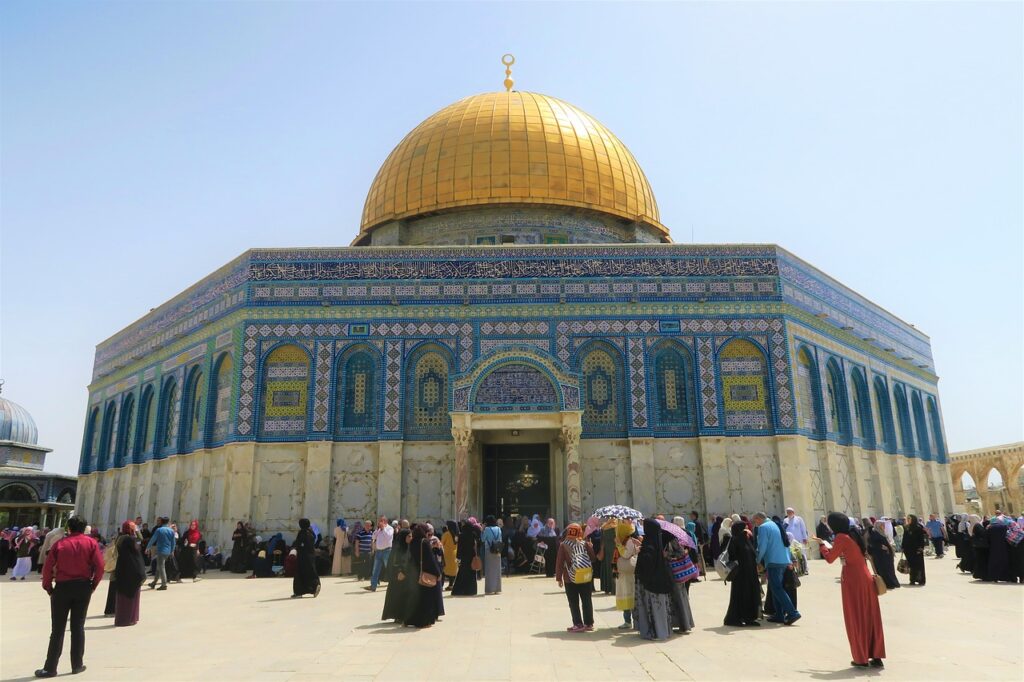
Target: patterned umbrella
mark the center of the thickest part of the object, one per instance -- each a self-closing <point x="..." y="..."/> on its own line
<point x="677" y="532"/>
<point x="618" y="511"/>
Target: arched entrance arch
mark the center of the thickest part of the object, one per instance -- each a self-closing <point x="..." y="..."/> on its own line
<point x="515" y="408"/>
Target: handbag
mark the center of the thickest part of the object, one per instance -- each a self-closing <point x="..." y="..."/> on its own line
<point x="425" y="579"/>
<point x="683" y="569"/>
<point x="880" y="586"/>
<point x="1015" y="534"/>
<point x="902" y="566"/>
<point x="724" y="567"/>
<point x="110" y="558"/>
<point x="476" y="564"/>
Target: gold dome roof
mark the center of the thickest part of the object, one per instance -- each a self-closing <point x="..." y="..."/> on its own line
<point x="502" y="148"/>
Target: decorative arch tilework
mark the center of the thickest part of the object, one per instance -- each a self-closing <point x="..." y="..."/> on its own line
<point x="285" y="392"/>
<point x="807" y="392"/>
<point x="146" y="428"/>
<point x="221" y="394"/>
<point x="924" y="446"/>
<point x="427" y="399"/>
<point x="127" y="422"/>
<point x="708" y="386"/>
<point x="744" y="386"/>
<point x="885" y="426"/>
<point x="672" y="382"/>
<point x="91" y="440"/>
<point x="392" y="385"/>
<point x="603" y="406"/>
<point x="936" y="429"/>
<point x="862" y="421"/>
<point x="357" y="392"/>
<point x="836" y="408"/>
<point x="195" y="395"/>
<point x="906" y="433"/>
<point x="169" y="406"/>
<point x="107" y="436"/>
<point x="516" y="387"/>
<point x="517" y="351"/>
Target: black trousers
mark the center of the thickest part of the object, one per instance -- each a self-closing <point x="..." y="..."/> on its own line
<point x="937" y="543"/>
<point x="580" y="593"/>
<point x="68" y="597"/>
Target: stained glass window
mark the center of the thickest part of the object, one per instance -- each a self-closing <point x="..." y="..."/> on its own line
<point x="168" y="415"/>
<point x="672" y="379"/>
<point x="744" y="387"/>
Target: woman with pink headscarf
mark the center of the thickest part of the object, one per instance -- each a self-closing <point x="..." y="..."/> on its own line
<point x="23" y="550"/>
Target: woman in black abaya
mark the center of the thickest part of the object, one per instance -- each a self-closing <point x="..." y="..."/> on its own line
<point x="401" y="596"/>
<point x="469" y="542"/>
<point x="915" y="539"/>
<point x="306" y="581"/>
<point x="239" y="549"/>
<point x="745" y="591"/>
<point x="881" y="553"/>
<point x="422" y="560"/>
<point x="999" y="553"/>
<point x="653" y="611"/>
<point x="979" y="540"/>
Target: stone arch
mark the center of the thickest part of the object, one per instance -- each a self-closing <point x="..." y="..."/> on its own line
<point x="18" y="492"/>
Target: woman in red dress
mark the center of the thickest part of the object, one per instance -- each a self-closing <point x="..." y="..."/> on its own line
<point x="860" y="600"/>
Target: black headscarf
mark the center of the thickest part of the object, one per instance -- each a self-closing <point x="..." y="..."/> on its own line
<point x="840" y="523"/>
<point x="453" y="528"/>
<point x="489" y="520"/>
<point x="130" y="569"/>
<point x="304" y="524"/>
<point x="782" y="530"/>
<point x="651" y="567"/>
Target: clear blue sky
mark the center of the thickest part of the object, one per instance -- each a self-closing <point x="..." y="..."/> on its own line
<point x="142" y="145"/>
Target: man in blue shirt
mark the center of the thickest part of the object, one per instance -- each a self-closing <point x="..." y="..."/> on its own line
<point x="163" y="540"/>
<point x="937" y="533"/>
<point x="776" y="558"/>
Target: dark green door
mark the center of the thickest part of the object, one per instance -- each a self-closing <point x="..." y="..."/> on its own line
<point x="516" y="480"/>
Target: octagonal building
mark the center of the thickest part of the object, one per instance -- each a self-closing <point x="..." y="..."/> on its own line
<point x="511" y="332"/>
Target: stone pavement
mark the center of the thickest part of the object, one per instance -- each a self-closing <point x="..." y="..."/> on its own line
<point x="229" y="628"/>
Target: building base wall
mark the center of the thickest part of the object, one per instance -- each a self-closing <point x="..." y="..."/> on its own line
<point x="272" y="485"/>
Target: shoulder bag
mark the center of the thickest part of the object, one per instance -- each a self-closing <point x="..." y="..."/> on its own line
<point x="902" y="566"/>
<point x="425" y="579"/>
<point x="880" y="587"/>
<point x="110" y="558"/>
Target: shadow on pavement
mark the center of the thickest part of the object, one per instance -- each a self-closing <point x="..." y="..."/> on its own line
<point x="844" y="674"/>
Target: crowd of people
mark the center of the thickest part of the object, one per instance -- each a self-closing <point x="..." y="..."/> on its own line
<point x="648" y="564"/>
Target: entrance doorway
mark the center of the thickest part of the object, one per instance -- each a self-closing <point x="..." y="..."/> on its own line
<point x="517" y="479"/>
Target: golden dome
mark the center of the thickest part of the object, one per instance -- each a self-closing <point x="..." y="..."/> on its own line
<point x="502" y="148"/>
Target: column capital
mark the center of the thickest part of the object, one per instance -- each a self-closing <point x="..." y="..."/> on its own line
<point x="462" y="435"/>
<point x="571" y="435"/>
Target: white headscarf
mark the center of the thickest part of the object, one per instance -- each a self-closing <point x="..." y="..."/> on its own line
<point x="535" y="526"/>
<point x="723" y="530"/>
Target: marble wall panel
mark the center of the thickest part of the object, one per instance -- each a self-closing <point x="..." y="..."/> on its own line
<point x="353" y="493"/>
<point x="679" y="477"/>
<point x="427" y="484"/>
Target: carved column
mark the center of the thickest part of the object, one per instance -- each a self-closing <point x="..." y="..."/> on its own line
<point x="463" y="437"/>
<point x="571" y="448"/>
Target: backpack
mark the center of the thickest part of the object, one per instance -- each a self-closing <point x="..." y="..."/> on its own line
<point x="579" y="567"/>
<point x="494" y="545"/>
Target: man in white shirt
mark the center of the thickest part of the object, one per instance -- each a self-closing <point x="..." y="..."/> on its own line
<point x="795" y="525"/>
<point x="382" y="538"/>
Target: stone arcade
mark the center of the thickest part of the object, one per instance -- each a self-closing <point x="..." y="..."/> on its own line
<point x="511" y="331"/>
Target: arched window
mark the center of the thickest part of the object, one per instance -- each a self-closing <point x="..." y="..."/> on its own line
<point x="222" y="380"/>
<point x="862" y="422"/>
<point x="994" y="480"/>
<point x="107" y="438"/>
<point x="808" y="392"/>
<point x="356" y="400"/>
<point x="884" y="406"/>
<point x="924" y="445"/>
<point x="604" y="408"/>
<point x="673" y="382"/>
<point x="744" y="386"/>
<point x="90" y="445"/>
<point x="426" y="396"/>
<point x="903" y="420"/>
<point x="18" y="492"/>
<point x="195" y="394"/>
<point x="144" y="432"/>
<point x="168" y="417"/>
<point x="125" y="430"/>
<point x="285" y="392"/>
<point x="936" y="429"/>
<point x="967" y="482"/>
<point x="837" y="412"/>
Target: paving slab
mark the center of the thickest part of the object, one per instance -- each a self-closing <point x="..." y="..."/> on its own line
<point x="236" y="629"/>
